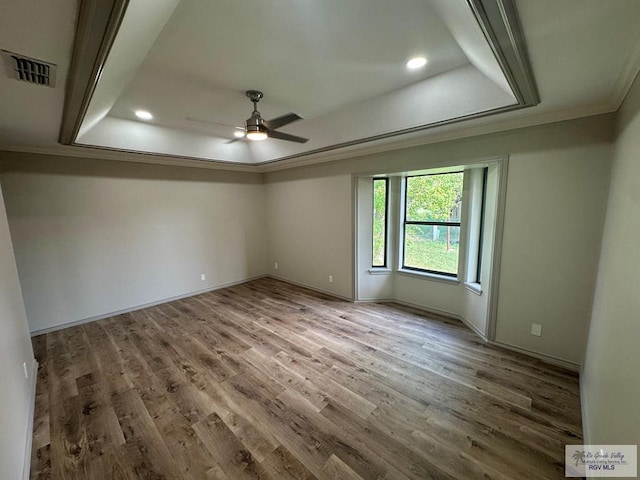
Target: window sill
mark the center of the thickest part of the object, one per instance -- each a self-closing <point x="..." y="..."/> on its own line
<point x="429" y="276"/>
<point x="380" y="271"/>
<point x="474" y="288"/>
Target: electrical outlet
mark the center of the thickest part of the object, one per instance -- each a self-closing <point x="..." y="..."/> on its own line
<point x="203" y="277"/>
<point x="275" y="265"/>
<point x="26" y="370"/>
<point x="330" y="278"/>
<point x="536" y="329"/>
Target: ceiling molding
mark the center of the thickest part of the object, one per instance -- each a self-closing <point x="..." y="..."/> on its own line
<point x="97" y="27"/>
<point x="501" y="26"/>
<point x="431" y="137"/>
<point x="473" y="130"/>
<point x="100" y="153"/>
<point x="626" y="78"/>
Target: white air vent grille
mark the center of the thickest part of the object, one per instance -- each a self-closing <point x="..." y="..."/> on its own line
<point x="29" y="69"/>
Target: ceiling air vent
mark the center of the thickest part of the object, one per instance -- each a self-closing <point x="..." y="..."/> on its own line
<point x="29" y="69"/>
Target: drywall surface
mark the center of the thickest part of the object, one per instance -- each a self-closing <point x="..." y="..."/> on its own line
<point x="476" y="305"/>
<point x="310" y="231"/>
<point x="553" y="222"/>
<point x="556" y="195"/>
<point x="15" y="350"/>
<point x="95" y="237"/>
<point x="373" y="283"/>
<point x="611" y="391"/>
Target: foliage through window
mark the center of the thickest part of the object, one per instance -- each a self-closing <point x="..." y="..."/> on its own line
<point x="380" y="207"/>
<point x="433" y="205"/>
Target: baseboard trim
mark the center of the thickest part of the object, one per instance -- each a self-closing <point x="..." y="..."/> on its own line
<point x="310" y="287"/>
<point x="62" y="326"/>
<point x="374" y="300"/>
<point x="33" y="375"/>
<point x="559" y="362"/>
<point x="574" y="367"/>
<point x="442" y="313"/>
<point x="435" y="311"/>
<point x="475" y="329"/>
<point x="584" y="409"/>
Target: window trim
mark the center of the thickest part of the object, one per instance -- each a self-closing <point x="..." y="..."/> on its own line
<point x="424" y="271"/>
<point x="483" y="208"/>
<point x="385" y="264"/>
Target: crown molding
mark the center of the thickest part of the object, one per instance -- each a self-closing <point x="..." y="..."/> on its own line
<point x="97" y="26"/>
<point x="100" y="20"/>
<point x="447" y="133"/>
<point x="444" y="133"/>
<point x="626" y="78"/>
<point x="126" y="156"/>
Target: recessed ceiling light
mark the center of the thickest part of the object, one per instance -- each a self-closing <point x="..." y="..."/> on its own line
<point x="143" y="115"/>
<point x="417" y="62"/>
<point x="238" y="134"/>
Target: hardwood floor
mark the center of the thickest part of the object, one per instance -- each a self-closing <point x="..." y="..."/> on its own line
<point x="272" y="381"/>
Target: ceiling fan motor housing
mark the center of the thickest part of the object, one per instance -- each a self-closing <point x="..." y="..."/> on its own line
<point x="255" y="124"/>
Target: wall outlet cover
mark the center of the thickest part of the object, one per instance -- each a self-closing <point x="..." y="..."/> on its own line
<point x="536" y="329"/>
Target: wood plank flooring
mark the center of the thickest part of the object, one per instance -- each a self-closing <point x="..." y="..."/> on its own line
<point x="267" y="380"/>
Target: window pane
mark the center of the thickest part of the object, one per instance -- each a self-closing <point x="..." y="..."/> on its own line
<point x="434" y="198"/>
<point x="379" y="222"/>
<point x="432" y="247"/>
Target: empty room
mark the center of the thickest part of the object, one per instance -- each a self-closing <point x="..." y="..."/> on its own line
<point x="354" y="239"/>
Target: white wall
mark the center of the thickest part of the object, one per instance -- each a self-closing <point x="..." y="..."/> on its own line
<point x="16" y="395"/>
<point x="373" y="286"/>
<point x="553" y="223"/>
<point x="310" y="227"/>
<point x="96" y="237"/>
<point x="611" y="390"/>
<point x="476" y="306"/>
<point x="557" y="187"/>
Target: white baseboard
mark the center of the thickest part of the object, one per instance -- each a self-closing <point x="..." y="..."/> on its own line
<point x="559" y="362"/>
<point x="442" y="313"/>
<point x="140" y="307"/>
<point x="584" y="408"/>
<point x="475" y="329"/>
<point x="33" y="376"/>
<point x="435" y="311"/>
<point x="310" y="287"/>
<point x="574" y="367"/>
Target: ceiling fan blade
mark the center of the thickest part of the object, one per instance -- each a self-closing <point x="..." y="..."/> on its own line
<point x="286" y="136"/>
<point x="281" y="121"/>
<point x="233" y="140"/>
<point x="199" y="120"/>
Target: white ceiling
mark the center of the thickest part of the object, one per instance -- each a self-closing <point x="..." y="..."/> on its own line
<point x="339" y="64"/>
<point x="30" y="115"/>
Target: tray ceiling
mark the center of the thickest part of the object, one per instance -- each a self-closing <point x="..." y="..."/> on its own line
<point x="339" y="65"/>
<point x="492" y="65"/>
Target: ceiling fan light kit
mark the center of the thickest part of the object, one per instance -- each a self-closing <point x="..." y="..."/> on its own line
<point x="256" y="128"/>
<point x="256" y="135"/>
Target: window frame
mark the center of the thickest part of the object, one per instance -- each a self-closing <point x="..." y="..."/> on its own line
<point x="386" y="222"/>
<point x="406" y="222"/>
<point x="483" y="208"/>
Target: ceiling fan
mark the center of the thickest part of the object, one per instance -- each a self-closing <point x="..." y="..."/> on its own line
<point x="256" y="128"/>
